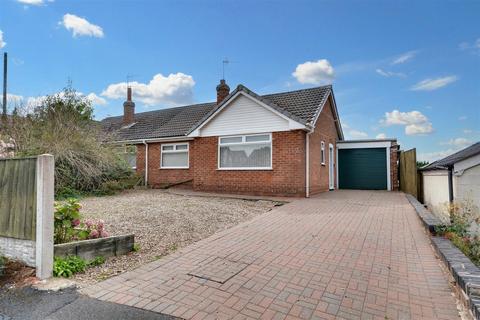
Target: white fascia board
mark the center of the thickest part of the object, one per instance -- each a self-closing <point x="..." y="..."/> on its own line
<point x="292" y="124"/>
<point x="359" y="145"/>
<point x="465" y="164"/>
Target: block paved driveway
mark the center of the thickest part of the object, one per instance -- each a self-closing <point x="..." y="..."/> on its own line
<point x="339" y="255"/>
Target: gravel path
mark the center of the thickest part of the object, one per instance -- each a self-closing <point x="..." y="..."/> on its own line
<point x="162" y="223"/>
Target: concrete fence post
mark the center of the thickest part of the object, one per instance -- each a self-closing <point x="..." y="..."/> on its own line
<point x="44" y="225"/>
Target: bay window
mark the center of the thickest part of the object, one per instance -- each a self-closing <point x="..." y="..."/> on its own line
<point x="174" y="156"/>
<point x="245" y="152"/>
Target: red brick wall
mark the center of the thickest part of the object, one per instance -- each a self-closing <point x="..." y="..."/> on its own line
<point x="326" y="131"/>
<point x="287" y="178"/>
<point x="157" y="176"/>
<point x="394" y="181"/>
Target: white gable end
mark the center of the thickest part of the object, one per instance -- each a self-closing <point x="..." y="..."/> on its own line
<point x="244" y="115"/>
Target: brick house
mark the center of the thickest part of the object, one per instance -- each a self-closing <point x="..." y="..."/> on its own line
<point x="282" y="144"/>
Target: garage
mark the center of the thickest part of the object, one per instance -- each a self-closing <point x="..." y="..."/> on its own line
<point x="364" y="165"/>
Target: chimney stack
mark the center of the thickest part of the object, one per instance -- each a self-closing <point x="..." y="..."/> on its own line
<point x="223" y="90"/>
<point x="129" y="109"/>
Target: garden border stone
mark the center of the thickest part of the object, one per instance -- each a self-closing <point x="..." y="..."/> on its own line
<point x="429" y="220"/>
<point x="462" y="269"/>
<point x="90" y="249"/>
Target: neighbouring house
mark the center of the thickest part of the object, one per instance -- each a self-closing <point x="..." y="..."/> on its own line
<point x="455" y="178"/>
<point x="283" y="144"/>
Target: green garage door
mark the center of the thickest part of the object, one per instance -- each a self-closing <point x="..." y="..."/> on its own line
<point x="364" y="168"/>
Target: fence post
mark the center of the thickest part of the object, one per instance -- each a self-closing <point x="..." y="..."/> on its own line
<point x="44" y="223"/>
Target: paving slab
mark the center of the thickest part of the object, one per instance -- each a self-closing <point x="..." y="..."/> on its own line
<point x="343" y="254"/>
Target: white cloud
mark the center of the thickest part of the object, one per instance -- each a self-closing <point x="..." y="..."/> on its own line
<point x="458" y="142"/>
<point x="381" y="136"/>
<point x="175" y="89"/>
<point x="314" y="72"/>
<point x="433" y="84"/>
<point x="415" y="122"/>
<point x="351" y="133"/>
<point x="474" y="47"/>
<point x="31" y="2"/>
<point x="462" y="118"/>
<point x="404" y="57"/>
<point x="81" y="27"/>
<point x="467" y="131"/>
<point x="2" y="43"/>
<point x="437" y="155"/>
<point x="96" y="100"/>
<point x="389" y="74"/>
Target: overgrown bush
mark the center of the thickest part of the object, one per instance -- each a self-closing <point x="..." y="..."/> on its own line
<point x="63" y="125"/>
<point x="69" y="227"/>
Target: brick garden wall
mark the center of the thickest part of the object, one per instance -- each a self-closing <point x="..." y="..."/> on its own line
<point x="326" y="131"/>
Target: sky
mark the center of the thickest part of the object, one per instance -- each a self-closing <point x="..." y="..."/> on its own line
<point x="400" y="69"/>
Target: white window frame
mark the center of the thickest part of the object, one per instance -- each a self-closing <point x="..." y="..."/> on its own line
<point x="322" y="153"/>
<point x="243" y="136"/>
<point x="175" y="151"/>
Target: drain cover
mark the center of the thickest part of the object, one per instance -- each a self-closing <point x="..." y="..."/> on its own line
<point x="218" y="270"/>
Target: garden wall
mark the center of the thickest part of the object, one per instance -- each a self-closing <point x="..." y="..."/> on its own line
<point x="90" y="249"/>
<point x="26" y="211"/>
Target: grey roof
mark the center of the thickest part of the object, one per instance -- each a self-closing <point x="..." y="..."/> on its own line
<point x="301" y="105"/>
<point x="444" y="163"/>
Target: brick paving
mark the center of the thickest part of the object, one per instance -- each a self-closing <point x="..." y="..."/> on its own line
<point x="339" y="255"/>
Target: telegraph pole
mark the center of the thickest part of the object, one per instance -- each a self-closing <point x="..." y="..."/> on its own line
<point x="4" y="112"/>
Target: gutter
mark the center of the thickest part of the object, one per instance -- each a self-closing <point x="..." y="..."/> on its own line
<point x="146" y="162"/>
<point x="307" y="164"/>
<point x="450" y="184"/>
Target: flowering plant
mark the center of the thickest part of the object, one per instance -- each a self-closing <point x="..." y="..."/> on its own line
<point x="68" y="226"/>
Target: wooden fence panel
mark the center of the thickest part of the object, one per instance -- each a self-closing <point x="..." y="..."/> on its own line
<point x="18" y="198"/>
<point x="408" y="172"/>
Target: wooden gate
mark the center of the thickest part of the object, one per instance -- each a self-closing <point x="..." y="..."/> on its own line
<point x="407" y="168"/>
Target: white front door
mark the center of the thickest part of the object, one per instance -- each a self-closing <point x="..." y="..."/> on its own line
<point x="331" y="166"/>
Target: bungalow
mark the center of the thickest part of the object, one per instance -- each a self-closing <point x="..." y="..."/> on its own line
<point x="276" y="144"/>
<point x="455" y="178"/>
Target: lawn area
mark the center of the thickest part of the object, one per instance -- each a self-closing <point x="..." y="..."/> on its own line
<point x="162" y="223"/>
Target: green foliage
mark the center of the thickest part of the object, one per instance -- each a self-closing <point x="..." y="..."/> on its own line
<point x="136" y="247"/>
<point x="97" y="261"/>
<point x="63" y="125"/>
<point x="421" y="164"/>
<point x="69" y="227"/>
<point x="66" y="218"/>
<point x="463" y="216"/>
<point x="3" y="261"/>
<point x="66" y="267"/>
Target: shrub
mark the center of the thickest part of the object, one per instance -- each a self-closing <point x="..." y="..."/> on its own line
<point x="63" y="125"/>
<point x="463" y="229"/>
<point x="66" y="267"/>
<point x="69" y="227"/>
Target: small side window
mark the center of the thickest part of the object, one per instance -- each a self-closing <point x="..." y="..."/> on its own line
<point x="322" y="153"/>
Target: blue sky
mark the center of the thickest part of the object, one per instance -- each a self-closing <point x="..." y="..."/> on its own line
<point x="409" y="70"/>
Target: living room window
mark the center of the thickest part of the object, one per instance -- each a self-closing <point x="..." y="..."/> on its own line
<point x="174" y="156"/>
<point x="245" y="152"/>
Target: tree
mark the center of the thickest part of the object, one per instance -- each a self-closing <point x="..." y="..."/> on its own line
<point x="63" y="125"/>
<point x="421" y="164"/>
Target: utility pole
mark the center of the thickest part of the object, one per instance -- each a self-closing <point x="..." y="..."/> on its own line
<point x="4" y="112"/>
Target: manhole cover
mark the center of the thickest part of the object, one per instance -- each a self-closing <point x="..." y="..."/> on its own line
<point x="218" y="270"/>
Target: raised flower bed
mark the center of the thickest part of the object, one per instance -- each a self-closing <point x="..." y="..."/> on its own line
<point x="86" y="239"/>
